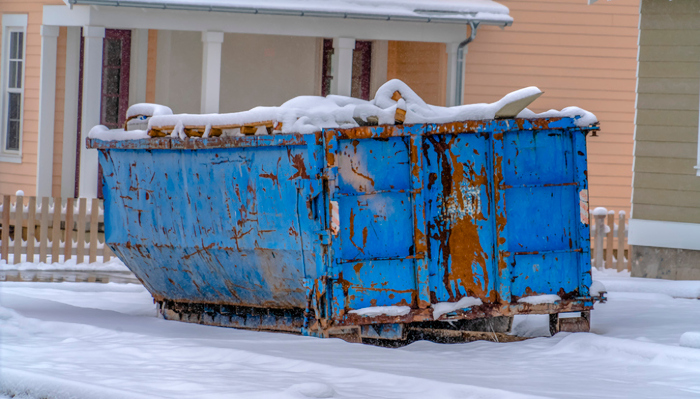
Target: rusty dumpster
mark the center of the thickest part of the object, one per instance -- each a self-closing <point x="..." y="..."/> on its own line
<point x="375" y="232"/>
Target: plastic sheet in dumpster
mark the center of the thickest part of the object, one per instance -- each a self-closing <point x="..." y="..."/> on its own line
<point x="371" y="233"/>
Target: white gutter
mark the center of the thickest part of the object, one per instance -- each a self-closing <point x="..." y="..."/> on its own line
<point x="459" y="93"/>
<point x="445" y="18"/>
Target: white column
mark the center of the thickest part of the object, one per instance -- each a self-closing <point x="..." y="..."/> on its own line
<point x="138" y="68"/>
<point x="341" y="66"/>
<point x="211" y="71"/>
<point x="70" y="112"/>
<point x="451" y="92"/>
<point x="92" y="90"/>
<point x="47" y="109"/>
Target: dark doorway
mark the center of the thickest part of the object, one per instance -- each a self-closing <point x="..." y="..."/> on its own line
<point x="361" y="68"/>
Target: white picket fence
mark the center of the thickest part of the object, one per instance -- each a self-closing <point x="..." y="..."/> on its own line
<point x="609" y="246"/>
<point x="51" y="228"/>
<point x="39" y="226"/>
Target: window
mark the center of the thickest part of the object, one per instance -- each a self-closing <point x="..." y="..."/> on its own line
<point x="12" y="99"/>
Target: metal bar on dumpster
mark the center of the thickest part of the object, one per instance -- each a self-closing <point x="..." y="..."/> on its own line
<point x="581" y="212"/>
<point x="419" y="228"/>
<point x="499" y="208"/>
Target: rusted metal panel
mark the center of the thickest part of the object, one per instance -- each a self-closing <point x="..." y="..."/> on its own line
<point x="293" y="232"/>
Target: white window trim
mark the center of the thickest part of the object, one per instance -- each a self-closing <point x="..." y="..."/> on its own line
<point x="10" y="23"/>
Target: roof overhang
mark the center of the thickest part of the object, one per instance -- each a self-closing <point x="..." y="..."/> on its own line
<point x="484" y="12"/>
<point x="142" y="14"/>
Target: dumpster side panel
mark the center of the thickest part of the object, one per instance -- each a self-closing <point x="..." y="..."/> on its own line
<point x="374" y="248"/>
<point x="542" y="210"/>
<point x="461" y="226"/>
<point x="221" y="225"/>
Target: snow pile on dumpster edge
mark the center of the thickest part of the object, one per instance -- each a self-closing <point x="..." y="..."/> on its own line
<point x="310" y="114"/>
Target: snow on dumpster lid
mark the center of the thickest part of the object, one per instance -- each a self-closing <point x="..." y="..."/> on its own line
<point x="394" y="102"/>
<point x="457" y="11"/>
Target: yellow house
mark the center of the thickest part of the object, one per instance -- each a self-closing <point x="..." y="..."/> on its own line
<point x="66" y="67"/>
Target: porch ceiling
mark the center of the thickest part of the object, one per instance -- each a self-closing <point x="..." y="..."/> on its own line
<point x="412" y="20"/>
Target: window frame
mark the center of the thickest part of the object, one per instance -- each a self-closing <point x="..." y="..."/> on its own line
<point x="11" y="23"/>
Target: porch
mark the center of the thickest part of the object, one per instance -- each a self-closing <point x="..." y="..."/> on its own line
<point x="206" y="59"/>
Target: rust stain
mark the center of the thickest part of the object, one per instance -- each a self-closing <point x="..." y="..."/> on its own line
<point x="297" y="163"/>
<point x="358" y="267"/>
<point x="460" y="247"/>
<point x="352" y="231"/>
<point x="352" y="167"/>
<point x="272" y="176"/>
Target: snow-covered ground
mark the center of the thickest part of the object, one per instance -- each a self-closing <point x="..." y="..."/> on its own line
<point x="87" y="340"/>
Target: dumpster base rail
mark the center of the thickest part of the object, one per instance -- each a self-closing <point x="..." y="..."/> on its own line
<point x="490" y="322"/>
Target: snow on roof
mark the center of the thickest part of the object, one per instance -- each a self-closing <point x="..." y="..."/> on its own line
<point x="459" y="11"/>
<point x="309" y="114"/>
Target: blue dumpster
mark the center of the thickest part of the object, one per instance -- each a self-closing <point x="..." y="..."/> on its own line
<point x="374" y="232"/>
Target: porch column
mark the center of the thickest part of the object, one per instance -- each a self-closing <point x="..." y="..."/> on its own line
<point x="93" y="37"/>
<point x="341" y="66"/>
<point x="451" y="92"/>
<point x="138" y="67"/>
<point x="70" y="112"/>
<point x="211" y="71"/>
<point x="47" y="109"/>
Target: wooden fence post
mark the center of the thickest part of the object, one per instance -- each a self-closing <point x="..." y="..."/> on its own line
<point x="56" y="229"/>
<point x="43" y="229"/>
<point x="94" y="214"/>
<point x="19" y="213"/>
<point x="68" y="247"/>
<point x="621" y="234"/>
<point x="599" y="237"/>
<point x="31" y="225"/>
<point x="610" y="245"/>
<point x="81" y="231"/>
<point x="5" y="249"/>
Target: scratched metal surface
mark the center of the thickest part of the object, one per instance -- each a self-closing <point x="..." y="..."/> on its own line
<point x="350" y="218"/>
<point x="212" y="226"/>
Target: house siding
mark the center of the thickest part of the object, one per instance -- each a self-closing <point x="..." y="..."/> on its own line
<point x="22" y="176"/>
<point x="666" y="187"/>
<point x="422" y="66"/>
<point x="577" y="54"/>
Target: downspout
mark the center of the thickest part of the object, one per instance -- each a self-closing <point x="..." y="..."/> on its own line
<point x="459" y="93"/>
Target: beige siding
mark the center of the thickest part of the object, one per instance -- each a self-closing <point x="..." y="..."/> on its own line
<point x="578" y="54"/>
<point x="422" y="66"/>
<point x="22" y="176"/>
<point x="665" y="184"/>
